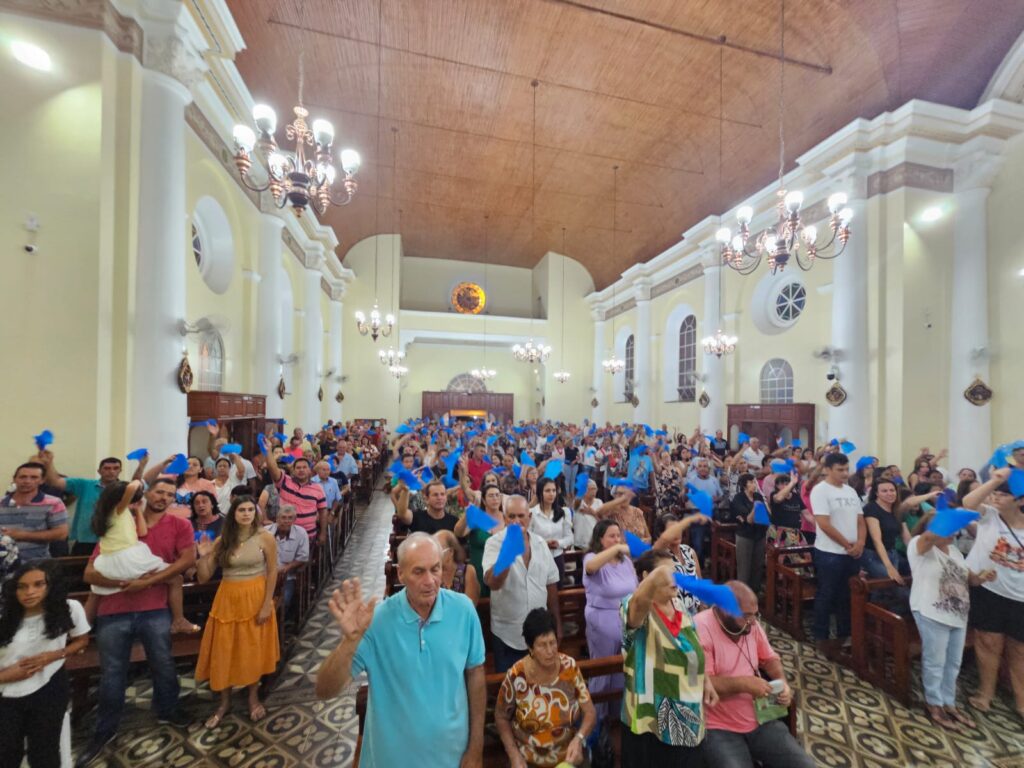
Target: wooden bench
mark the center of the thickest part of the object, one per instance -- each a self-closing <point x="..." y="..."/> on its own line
<point x="789" y="588"/>
<point x="73" y="568"/>
<point x="573" y="568"/>
<point x="723" y="552"/>
<point x="885" y="644"/>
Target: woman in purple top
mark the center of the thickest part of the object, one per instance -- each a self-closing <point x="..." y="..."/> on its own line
<point x="608" y="576"/>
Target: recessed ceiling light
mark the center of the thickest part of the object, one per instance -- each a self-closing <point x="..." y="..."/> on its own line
<point x="932" y="213"/>
<point x="31" y="55"/>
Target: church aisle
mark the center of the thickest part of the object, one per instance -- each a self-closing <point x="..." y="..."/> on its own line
<point x="298" y="730"/>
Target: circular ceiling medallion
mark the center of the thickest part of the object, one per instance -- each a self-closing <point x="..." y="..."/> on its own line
<point x="468" y="298"/>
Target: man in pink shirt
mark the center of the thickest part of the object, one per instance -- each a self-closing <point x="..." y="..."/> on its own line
<point x="736" y="652"/>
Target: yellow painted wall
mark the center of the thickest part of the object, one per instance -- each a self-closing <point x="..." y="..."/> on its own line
<point x="427" y="284"/>
<point x="1006" y="291"/>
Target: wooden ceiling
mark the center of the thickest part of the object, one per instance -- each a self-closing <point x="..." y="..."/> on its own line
<point x="633" y="83"/>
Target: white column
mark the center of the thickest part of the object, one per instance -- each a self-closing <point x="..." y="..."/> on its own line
<point x="334" y="359"/>
<point x="598" y="376"/>
<point x="852" y="420"/>
<point x="310" y="361"/>
<point x="713" y="417"/>
<point x="970" y="426"/>
<point x="268" y="326"/>
<point x="644" y="360"/>
<point x="158" y="415"/>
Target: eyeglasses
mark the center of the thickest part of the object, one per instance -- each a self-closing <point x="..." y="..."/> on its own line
<point x="749" y="617"/>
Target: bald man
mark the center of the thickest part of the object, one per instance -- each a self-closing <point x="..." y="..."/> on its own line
<point x="737" y="652"/>
<point x="423" y="653"/>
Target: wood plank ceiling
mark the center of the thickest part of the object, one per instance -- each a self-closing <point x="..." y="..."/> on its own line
<point x="633" y="83"/>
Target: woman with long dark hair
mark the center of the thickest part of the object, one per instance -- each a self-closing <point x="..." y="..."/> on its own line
<point x="36" y="624"/>
<point x="206" y="515"/>
<point x="240" y="639"/>
<point x="552" y="522"/>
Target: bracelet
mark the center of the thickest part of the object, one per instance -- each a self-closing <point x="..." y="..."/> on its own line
<point x="581" y="737"/>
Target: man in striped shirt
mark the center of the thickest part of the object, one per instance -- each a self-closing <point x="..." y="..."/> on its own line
<point x="307" y="497"/>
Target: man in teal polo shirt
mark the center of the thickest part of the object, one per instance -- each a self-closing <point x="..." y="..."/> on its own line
<point x="423" y="652"/>
<point x="87" y="491"/>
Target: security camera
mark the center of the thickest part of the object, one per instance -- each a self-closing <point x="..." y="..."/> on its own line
<point x="830" y="376"/>
<point x="31" y="248"/>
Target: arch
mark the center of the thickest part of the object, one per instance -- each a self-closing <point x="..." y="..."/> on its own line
<point x="213" y="245"/>
<point x="670" y="352"/>
<point x="210" y="373"/>
<point x="686" y="367"/>
<point x="777" y="381"/>
<point x="464" y="382"/>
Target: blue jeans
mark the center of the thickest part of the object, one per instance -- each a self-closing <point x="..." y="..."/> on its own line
<point x="114" y="637"/>
<point x="833" y="573"/>
<point x="942" y="649"/>
<point x="505" y="655"/>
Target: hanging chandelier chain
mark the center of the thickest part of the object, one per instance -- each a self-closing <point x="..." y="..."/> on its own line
<point x="782" y="90"/>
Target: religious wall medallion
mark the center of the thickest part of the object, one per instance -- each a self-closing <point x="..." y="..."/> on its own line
<point x="185" y="376"/>
<point x="836" y="395"/>
<point x="704" y="399"/>
<point x="594" y="403"/>
<point x="978" y="393"/>
<point x="281" y="389"/>
<point x="635" y="401"/>
<point x="468" y="299"/>
<point x="339" y="397"/>
<point x="320" y="394"/>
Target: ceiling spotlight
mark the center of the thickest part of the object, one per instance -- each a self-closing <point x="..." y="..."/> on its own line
<point x="931" y="213"/>
<point x="31" y="55"/>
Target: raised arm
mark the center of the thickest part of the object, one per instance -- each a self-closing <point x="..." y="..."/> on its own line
<point x="156" y="470"/>
<point x="643" y="599"/>
<point x="354" y="618"/>
<point x="400" y="497"/>
<point x="974" y="499"/>
<point x="53" y="478"/>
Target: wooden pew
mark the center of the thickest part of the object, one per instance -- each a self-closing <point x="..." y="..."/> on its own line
<point x="723" y="552"/>
<point x="789" y="588"/>
<point x="884" y="643"/>
<point x="73" y="568"/>
<point x="573" y="568"/>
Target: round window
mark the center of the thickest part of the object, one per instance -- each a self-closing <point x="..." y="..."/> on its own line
<point x="197" y="246"/>
<point x="790" y="301"/>
<point x="778" y="302"/>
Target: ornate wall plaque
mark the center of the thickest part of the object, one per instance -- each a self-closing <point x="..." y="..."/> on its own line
<point x="705" y="399"/>
<point x="635" y="401"/>
<point x="978" y="393"/>
<point x="339" y="397"/>
<point x="594" y="403"/>
<point x="468" y="299"/>
<point x="320" y="394"/>
<point x="836" y="395"/>
<point x="185" y="377"/>
<point x="281" y="389"/>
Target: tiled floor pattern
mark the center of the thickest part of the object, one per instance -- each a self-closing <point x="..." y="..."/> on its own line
<point x="843" y="722"/>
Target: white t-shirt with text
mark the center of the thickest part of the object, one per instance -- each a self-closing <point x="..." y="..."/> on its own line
<point x="842" y="505"/>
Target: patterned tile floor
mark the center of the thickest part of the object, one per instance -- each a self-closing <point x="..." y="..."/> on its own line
<point x="843" y="721"/>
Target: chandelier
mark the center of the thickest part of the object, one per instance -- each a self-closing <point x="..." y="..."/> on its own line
<point x="613" y="365"/>
<point x="376" y="327"/>
<point x="391" y="357"/>
<point x="483" y="374"/>
<point x="562" y="376"/>
<point x="531" y="353"/>
<point x="398" y="371"/>
<point x="719" y="344"/>
<point x="789" y="238"/>
<point x="292" y="177"/>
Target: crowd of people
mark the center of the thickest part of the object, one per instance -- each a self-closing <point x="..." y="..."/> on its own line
<point x="240" y="522"/>
<point x="699" y="680"/>
<point x="493" y="511"/>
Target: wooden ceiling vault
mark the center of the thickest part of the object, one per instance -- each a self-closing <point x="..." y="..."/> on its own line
<point x="633" y="83"/>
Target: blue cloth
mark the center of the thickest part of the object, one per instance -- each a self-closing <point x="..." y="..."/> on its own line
<point x="709" y="484"/>
<point x="87" y="491"/>
<point x="416" y="672"/>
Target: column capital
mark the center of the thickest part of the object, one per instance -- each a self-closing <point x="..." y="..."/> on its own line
<point x="642" y="289"/>
<point x="710" y="255"/>
<point x="172" y="43"/>
<point x="976" y="171"/>
<point x="313" y="257"/>
<point x="269" y="215"/>
<point x="850" y="175"/>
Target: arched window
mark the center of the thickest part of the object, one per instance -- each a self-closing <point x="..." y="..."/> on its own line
<point x="687" y="383"/>
<point x="464" y="382"/>
<point x="630" y="374"/>
<point x="211" y="361"/>
<point x="777" y="381"/>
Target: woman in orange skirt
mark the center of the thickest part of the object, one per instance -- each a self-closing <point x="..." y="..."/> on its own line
<point x="240" y="639"/>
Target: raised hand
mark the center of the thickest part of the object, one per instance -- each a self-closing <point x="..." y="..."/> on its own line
<point x="348" y="609"/>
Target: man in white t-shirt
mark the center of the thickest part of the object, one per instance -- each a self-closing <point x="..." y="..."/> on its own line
<point x="753" y="454"/>
<point x="838" y="546"/>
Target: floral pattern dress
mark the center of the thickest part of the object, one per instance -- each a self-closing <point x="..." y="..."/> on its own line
<point x="543" y="717"/>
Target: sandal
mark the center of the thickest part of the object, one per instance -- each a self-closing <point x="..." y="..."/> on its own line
<point x="215" y="719"/>
<point x="960" y="717"/>
<point x="940" y="717"/>
<point x="257" y="713"/>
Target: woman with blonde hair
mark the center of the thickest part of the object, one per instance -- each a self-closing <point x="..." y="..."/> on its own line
<point x="239" y="643"/>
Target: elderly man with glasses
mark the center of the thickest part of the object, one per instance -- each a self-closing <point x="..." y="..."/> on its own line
<point x="743" y="727"/>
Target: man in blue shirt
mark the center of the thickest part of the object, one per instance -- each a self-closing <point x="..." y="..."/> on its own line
<point x="701" y="478"/>
<point x="640" y="468"/>
<point x="423" y="653"/>
<point x="86" y="491"/>
<point x="322" y="477"/>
